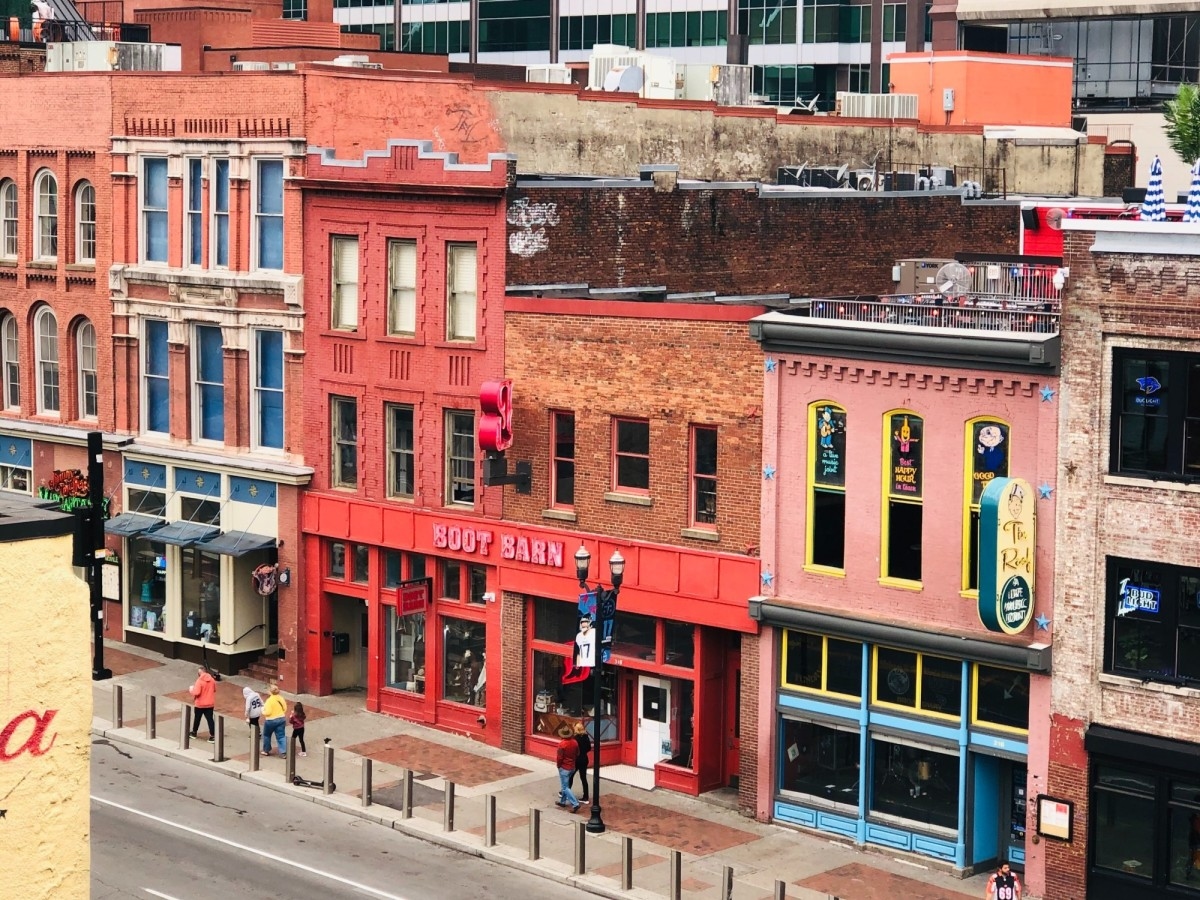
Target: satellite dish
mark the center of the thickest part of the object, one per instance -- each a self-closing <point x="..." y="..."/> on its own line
<point x="627" y="79"/>
<point x="1054" y="218"/>
<point x="953" y="278"/>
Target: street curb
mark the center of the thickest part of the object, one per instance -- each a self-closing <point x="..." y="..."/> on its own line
<point x="550" y="869"/>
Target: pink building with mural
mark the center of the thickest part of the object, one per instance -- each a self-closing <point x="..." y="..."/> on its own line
<point x="904" y="442"/>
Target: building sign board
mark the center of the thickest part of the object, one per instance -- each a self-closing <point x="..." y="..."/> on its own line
<point x="1007" y="546"/>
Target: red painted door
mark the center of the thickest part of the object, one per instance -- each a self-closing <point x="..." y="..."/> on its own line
<point x="733" y="710"/>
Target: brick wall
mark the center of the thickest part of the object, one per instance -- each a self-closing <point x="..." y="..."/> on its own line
<point x="748" y="727"/>
<point x="513" y="717"/>
<point x="16" y="60"/>
<point x="733" y="242"/>
<point x="1066" y="779"/>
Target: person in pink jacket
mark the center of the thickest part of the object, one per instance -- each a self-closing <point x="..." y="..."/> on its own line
<point x="204" y="694"/>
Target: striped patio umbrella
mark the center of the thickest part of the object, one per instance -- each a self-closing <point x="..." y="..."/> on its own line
<point x="1192" y="213"/>
<point x="1154" y="207"/>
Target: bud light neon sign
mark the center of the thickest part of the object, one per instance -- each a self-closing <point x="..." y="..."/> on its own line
<point x="1133" y="598"/>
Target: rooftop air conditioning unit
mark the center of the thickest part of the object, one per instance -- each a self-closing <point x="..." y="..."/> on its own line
<point x="877" y="106"/>
<point x="282" y="66"/>
<point x="553" y="73"/>
<point x="657" y="72"/>
<point x="351" y="59"/>
<point x="252" y="66"/>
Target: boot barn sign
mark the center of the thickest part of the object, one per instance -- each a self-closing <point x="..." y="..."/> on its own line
<point x="1007" y="546"/>
<point x="503" y="544"/>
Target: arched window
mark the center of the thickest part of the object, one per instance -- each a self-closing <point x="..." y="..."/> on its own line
<point x="8" y="219"/>
<point x="45" y="219"/>
<point x="85" y="223"/>
<point x="826" y="519"/>
<point x="903" y="483"/>
<point x="10" y="355"/>
<point x="89" y="400"/>
<point x="46" y="328"/>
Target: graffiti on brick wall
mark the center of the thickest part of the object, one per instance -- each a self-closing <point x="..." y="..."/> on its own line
<point x="530" y="221"/>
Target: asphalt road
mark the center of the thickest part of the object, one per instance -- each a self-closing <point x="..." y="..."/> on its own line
<point x="169" y="830"/>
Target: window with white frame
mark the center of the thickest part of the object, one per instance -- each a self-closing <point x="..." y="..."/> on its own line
<point x="46" y="326"/>
<point x="268" y="214"/>
<point x="344" y="415"/>
<point x="343" y="283"/>
<point x="461" y="291"/>
<point x="156" y="380"/>
<point x="45" y="219"/>
<point x="460" y="457"/>
<point x="401" y="449"/>
<point x="89" y="394"/>
<point x="268" y="390"/>
<point x="220" y="214"/>
<point x="402" y="287"/>
<point x="16" y="479"/>
<point x="209" y="380"/>
<point x="11" y="349"/>
<point x="85" y="223"/>
<point x="8" y="219"/>
<point x="193" y="236"/>
<point x="154" y="209"/>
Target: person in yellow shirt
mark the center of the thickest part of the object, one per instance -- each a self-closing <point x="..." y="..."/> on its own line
<point x="274" y="721"/>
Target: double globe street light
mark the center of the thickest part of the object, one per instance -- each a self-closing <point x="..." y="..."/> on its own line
<point x="606" y="610"/>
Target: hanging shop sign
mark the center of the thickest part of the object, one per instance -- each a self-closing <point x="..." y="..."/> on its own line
<point x="485" y="542"/>
<point x="413" y="596"/>
<point x="1007" y="545"/>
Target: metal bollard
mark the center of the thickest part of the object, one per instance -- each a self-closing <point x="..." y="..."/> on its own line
<point x="535" y="833"/>
<point x="489" y="820"/>
<point x="448" y="808"/>
<point x="675" y="864"/>
<point x="366" y="781"/>
<point x="580" y="847"/>
<point x="185" y="730"/>
<point x="329" y="786"/>
<point x="780" y="890"/>
<point x="118" y="710"/>
<point x="727" y="883"/>
<point x="151" y="717"/>
<point x="406" y="788"/>
<point x="289" y="769"/>
<point x="255" y="747"/>
<point x="219" y="741"/>
<point x="626" y="863"/>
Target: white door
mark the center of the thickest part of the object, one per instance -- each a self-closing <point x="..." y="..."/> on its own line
<point x="654" y="721"/>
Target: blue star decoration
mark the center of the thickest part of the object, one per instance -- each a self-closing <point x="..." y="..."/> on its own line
<point x="770" y="364"/>
<point x="1044" y="491"/>
<point x="769" y="472"/>
<point x="1043" y="623"/>
<point x="768" y="578"/>
<point x="1047" y="393"/>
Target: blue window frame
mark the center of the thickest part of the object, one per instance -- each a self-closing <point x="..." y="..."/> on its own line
<point x="268" y="389"/>
<point x="154" y="209"/>
<point x="156" y="391"/>
<point x="210" y="383"/>
<point x="194" y="240"/>
<point x="220" y="206"/>
<point x="268" y="214"/>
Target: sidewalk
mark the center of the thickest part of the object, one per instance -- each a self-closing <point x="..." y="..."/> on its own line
<point x="708" y="835"/>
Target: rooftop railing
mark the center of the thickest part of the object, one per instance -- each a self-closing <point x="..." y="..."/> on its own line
<point x="977" y="313"/>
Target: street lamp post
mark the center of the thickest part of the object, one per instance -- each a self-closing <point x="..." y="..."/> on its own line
<point x="606" y="607"/>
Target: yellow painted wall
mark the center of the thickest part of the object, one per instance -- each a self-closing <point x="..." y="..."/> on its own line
<point x="45" y="667"/>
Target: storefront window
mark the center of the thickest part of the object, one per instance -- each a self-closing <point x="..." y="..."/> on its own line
<point x="1185" y="833"/>
<point x="146" y="503"/>
<point x="200" y="595"/>
<point x="820" y="760"/>
<point x="680" y="644"/>
<point x="405" y="649"/>
<point x="915" y="783"/>
<point x="451" y="579"/>
<point x="554" y="621"/>
<point x="203" y="512"/>
<point x="941" y="685"/>
<point x="1001" y="698"/>
<point x="1123" y="816"/>
<point x="391" y="568"/>
<point x="804" y="656"/>
<point x="337" y="560"/>
<point x="931" y="684"/>
<point x="634" y="636"/>
<point x="464" y="671"/>
<point x="1153" y="621"/>
<point x="362" y="563"/>
<point x="147" y="584"/>
<point x="843" y="667"/>
<point x="816" y="663"/>
<point x="416" y="566"/>
<point x="896" y="677"/>
<point x="557" y="706"/>
<point x="478" y="579"/>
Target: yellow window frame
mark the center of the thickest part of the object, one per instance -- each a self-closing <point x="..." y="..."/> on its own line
<point x="968" y="485"/>
<point x="885" y="519"/>
<point x="810" y="517"/>
<point x="875" y="701"/>
<point x="984" y="723"/>
<point x="783" y="668"/>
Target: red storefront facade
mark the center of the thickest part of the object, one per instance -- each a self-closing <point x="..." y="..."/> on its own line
<point x="485" y="655"/>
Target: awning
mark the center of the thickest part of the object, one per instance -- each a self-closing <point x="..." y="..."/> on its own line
<point x="131" y="525"/>
<point x="239" y="543"/>
<point x="184" y="534"/>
